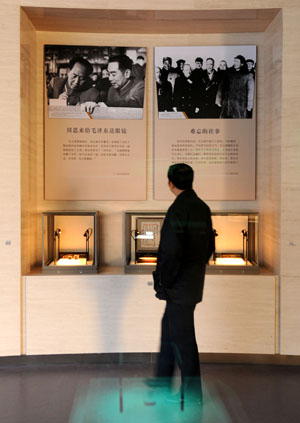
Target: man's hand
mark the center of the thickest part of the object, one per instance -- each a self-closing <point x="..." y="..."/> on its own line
<point x="63" y="96"/>
<point x="89" y="106"/>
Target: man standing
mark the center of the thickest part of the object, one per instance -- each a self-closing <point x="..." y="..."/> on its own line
<point x="238" y="97"/>
<point x="211" y="84"/>
<point x="77" y="87"/>
<point x="198" y="71"/>
<point x="139" y="68"/>
<point x="184" y="93"/>
<point x="186" y="244"/>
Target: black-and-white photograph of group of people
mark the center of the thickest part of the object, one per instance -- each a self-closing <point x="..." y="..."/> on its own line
<point x="207" y="82"/>
<point x="95" y="77"/>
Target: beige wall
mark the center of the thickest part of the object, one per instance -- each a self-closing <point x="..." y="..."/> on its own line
<point x="271" y="175"/>
<point x="290" y="186"/>
<point x="280" y="188"/>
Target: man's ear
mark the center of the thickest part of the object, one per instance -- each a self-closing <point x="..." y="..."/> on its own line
<point x="127" y="73"/>
<point x="171" y="185"/>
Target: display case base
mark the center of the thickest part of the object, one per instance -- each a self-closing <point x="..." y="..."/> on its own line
<point x="70" y="270"/>
<point x="227" y="270"/>
<point x="139" y="269"/>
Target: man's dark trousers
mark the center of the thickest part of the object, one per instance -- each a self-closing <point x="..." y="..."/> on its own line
<point x="178" y="344"/>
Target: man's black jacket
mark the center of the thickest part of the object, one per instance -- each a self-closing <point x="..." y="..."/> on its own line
<point x="186" y="244"/>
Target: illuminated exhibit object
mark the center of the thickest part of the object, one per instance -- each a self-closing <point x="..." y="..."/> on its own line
<point x="230" y="261"/>
<point x="71" y="260"/>
<point x="142" y="236"/>
<point x="69" y="242"/>
<point x="236" y="242"/>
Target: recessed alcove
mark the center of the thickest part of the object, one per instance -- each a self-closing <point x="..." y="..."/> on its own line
<point x="118" y="27"/>
<point x="150" y="28"/>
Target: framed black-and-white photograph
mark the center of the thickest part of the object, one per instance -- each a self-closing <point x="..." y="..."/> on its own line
<point x="93" y="82"/>
<point x="205" y="82"/>
<point x="149" y="229"/>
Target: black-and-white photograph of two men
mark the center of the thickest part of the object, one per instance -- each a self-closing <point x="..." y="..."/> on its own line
<point x="205" y="82"/>
<point x="95" y="82"/>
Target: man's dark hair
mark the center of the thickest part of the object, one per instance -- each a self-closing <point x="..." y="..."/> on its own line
<point x="181" y="175"/>
<point x="124" y="62"/>
<point x="250" y="60"/>
<point x="83" y="62"/>
<point x="210" y="58"/>
<point x="140" y="57"/>
<point x="199" y="59"/>
<point x="241" y="59"/>
<point x="167" y="59"/>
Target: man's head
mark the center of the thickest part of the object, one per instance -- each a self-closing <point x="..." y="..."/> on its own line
<point x="238" y="62"/>
<point x="63" y="72"/>
<point x="96" y="74"/>
<point x="167" y="63"/>
<point x="80" y="69"/>
<point x="198" y="63"/>
<point x="210" y="63"/>
<point x="180" y="63"/>
<point x="157" y="73"/>
<point x="250" y="64"/>
<point x="223" y="65"/>
<point x="119" y="69"/>
<point x="140" y="60"/>
<point x="187" y="70"/>
<point x="181" y="176"/>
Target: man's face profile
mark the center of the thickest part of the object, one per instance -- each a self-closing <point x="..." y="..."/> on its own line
<point x="117" y="78"/>
<point x="198" y="65"/>
<point x="77" y="76"/>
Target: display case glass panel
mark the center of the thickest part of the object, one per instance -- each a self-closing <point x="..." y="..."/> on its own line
<point x="142" y="236"/>
<point x="70" y="242"/>
<point x="236" y="240"/>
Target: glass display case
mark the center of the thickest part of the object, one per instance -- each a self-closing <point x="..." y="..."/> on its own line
<point x="236" y="240"/>
<point x="142" y="236"/>
<point x="70" y="242"/>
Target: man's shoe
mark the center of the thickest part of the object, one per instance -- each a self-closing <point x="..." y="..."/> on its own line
<point x="160" y="389"/>
<point x="156" y="394"/>
<point x="158" y="382"/>
<point x="186" y="399"/>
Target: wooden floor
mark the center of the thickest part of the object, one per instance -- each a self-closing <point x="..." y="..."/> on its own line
<point x="111" y="393"/>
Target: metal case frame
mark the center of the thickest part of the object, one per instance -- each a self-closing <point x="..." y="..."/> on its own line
<point x="249" y="245"/>
<point x="49" y="234"/>
<point x="136" y="248"/>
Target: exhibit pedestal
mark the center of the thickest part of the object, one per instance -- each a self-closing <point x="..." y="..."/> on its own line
<point x="114" y="312"/>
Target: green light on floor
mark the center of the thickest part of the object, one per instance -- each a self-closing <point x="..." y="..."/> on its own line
<point x="128" y="400"/>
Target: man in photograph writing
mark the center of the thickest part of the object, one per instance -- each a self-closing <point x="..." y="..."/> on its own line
<point x="77" y="86"/>
<point x="186" y="244"/>
<point x="125" y="90"/>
